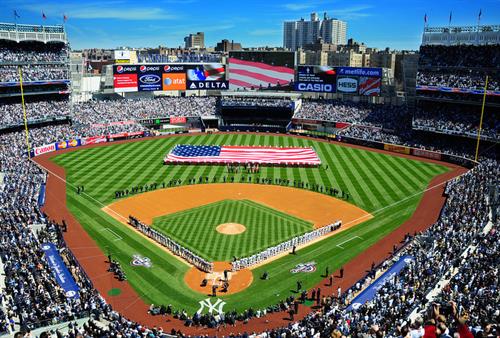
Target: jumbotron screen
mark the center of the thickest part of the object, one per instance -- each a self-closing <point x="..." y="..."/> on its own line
<point x="261" y="70"/>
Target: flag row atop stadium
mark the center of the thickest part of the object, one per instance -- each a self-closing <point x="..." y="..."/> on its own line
<point x="215" y="154"/>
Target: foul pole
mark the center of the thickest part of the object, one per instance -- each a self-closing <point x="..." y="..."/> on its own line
<point x="24" y="112"/>
<point x="481" y="120"/>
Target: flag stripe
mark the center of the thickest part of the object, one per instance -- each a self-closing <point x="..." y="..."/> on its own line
<point x="241" y="154"/>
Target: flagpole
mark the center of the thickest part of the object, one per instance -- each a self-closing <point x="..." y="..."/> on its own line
<point x="481" y="120"/>
<point x="24" y="112"/>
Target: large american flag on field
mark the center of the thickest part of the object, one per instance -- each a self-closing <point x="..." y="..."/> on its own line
<point x="185" y="153"/>
<point x="247" y="74"/>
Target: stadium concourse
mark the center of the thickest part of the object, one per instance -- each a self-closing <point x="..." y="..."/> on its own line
<point x="449" y="286"/>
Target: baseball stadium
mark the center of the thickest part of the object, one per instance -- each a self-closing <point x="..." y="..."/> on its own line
<point x="248" y="193"/>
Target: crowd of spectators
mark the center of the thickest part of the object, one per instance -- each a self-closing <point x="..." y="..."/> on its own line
<point x="12" y="113"/>
<point x="374" y="115"/>
<point x="34" y="72"/>
<point x="33" y="298"/>
<point x="461" y="56"/>
<point x="255" y="102"/>
<point x="33" y="52"/>
<point x="454" y="78"/>
<point x="462" y="120"/>
<point x="94" y="118"/>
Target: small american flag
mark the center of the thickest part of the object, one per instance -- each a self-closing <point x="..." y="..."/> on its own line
<point x="185" y="153"/>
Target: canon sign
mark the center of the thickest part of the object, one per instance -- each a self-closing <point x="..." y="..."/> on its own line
<point x="347" y="85"/>
<point x="48" y="148"/>
<point x="315" y="87"/>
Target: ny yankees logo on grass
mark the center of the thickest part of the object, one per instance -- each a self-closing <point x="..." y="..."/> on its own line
<point x="138" y="260"/>
<point x="304" y="267"/>
<point x="217" y="306"/>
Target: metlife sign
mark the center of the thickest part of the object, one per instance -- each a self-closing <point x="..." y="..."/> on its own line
<point x="347" y="85"/>
<point x="358" y="71"/>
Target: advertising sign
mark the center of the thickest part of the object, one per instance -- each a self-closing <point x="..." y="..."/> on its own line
<point x="149" y="78"/>
<point x="125" y="79"/>
<point x="94" y="140"/>
<point x="315" y="79"/>
<point x="177" y="119"/>
<point x="60" y="271"/>
<point x="48" y="148"/>
<point x="370" y="292"/>
<point x="397" y="149"/>
<point x="207" y="77"/>
<point x="427" y="154"/>
<point x="67" y="144"/>
<point x="347" y="85"/>
<point x="359" y="71"/>
<point x="174" y="81"/>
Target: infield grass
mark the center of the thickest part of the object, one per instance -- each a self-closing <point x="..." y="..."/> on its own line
<point x="389" y="187"/>
<point x="196" y="228"/>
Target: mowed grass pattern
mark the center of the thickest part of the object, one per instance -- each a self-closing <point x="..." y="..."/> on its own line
<point x="196" y="228"/>
<point x="389" y="187"/>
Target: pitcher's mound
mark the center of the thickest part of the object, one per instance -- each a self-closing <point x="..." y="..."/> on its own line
<point x="231" y="228"/>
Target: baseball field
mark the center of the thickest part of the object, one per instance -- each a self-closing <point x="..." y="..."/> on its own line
<point x="386" y="188"/>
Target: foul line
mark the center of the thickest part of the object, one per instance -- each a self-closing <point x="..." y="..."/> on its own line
<point x="118" y="237"/>
<point x="348" y="240"/>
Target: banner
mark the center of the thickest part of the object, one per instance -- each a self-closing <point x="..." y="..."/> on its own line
<point x="370" y="292"/>
<point x="48" y="148"/>
<point x="458" y="90"/>
<point x="60" y="271"/>
<point x="397" y="149"/>
<point x="316" y="79"/>
<point x="123" y="135"/>
<point x="93" y="140"/>
<point x="178" y="119"/>
<point x="427" y="154"/>
<point x="68" y="144"/>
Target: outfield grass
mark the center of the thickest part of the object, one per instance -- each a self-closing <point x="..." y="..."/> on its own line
<point x="388" y="187"/>
<point x="196" y="228"/>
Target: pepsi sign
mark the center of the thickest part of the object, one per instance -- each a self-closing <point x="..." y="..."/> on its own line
<point x="125" y="69"/>
<point x="173" y="68"/>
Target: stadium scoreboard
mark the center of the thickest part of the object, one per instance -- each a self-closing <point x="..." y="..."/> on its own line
<point x="169" y="77"/>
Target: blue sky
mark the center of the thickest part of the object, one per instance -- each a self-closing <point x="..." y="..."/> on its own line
<point x="108" y="24"/>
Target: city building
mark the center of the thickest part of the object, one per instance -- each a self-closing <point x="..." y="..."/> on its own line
<point x="227" y="46"/>
<point x="195" y="41"/>
<point x="298" y="34"/>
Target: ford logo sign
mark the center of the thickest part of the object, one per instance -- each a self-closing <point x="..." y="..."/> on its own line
<point x="150" y="79"/>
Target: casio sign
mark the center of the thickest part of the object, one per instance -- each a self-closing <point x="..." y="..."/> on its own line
<point x="150" y="79"/>
<point x="315" y="87"/>
<point x="347" y="85"/>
